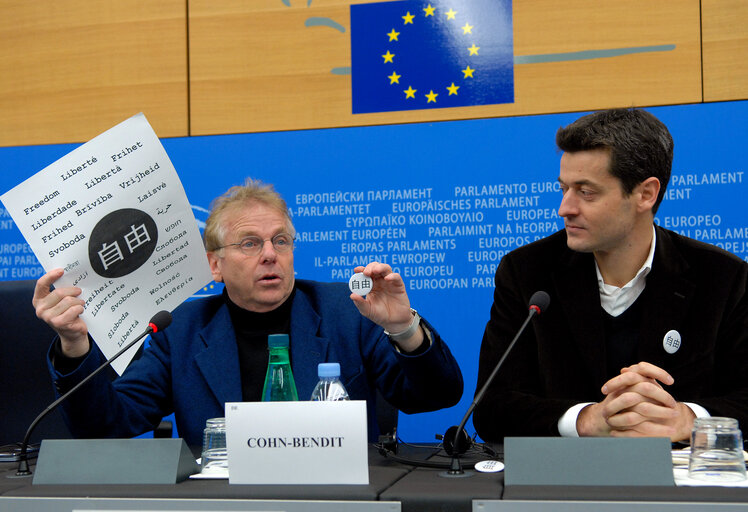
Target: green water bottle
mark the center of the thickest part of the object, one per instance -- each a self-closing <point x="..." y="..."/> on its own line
<point x="279" y="383"/>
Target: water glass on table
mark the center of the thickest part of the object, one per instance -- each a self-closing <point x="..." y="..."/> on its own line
<point x="215" y="455"/>
<point x="716" y="450"/>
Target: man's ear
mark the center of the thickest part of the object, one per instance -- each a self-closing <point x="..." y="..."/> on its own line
<point x="647" y="192"/>
<point x="215" y="267"/>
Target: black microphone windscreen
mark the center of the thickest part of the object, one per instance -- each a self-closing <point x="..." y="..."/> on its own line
<point x="541" y="300"/>
<point x="160" y="321"/>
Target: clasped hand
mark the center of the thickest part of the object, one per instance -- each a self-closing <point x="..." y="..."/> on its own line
<point x="637" y="405"/>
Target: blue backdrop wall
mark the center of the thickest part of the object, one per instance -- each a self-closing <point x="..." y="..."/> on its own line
<point x="440" y="202"/>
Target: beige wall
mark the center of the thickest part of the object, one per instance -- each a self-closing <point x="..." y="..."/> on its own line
<point x="70" y="69"/>
<point x="725" y="49"/>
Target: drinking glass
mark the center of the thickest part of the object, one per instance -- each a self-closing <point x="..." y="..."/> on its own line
<point x="716" y="450"/>
<point x="214" y="455"/>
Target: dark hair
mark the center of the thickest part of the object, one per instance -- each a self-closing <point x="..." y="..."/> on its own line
<point x="640" y="145"/>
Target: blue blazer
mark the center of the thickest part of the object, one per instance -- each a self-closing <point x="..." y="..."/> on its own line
<point x="192" y="368"/>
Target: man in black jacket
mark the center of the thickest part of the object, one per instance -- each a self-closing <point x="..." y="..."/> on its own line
<point x="647" y="329"/>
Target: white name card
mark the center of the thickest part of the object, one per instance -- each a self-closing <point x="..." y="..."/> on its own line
<point x="297" y="442"/>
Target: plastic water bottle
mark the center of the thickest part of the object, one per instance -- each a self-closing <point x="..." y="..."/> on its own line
<point x="329" y="388"/>
<point x="279" y="384"/>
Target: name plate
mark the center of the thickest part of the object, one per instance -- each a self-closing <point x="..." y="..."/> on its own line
<point x="297" y="442"/>
<point x="587" y="461"/>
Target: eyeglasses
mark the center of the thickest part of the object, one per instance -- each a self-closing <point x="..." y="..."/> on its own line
<point x="252" y="245"/>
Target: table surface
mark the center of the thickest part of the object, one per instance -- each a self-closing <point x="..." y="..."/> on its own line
<point x="419" y="489"/>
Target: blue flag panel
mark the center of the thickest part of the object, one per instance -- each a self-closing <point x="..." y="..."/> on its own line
<point x="413" y="55"/>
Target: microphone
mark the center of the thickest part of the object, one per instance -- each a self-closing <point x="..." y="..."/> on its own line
<point x="456" y="440"/>
<point x="158" y="322"/>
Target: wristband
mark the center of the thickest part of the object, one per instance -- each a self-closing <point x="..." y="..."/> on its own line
<point x="410" y="331"/>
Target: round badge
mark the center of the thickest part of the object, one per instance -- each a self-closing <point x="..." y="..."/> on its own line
<point x="122" y="242"/>
<point x="489" y="466"/>
<point x="360" y="284"/>
<point x="671" y="342"/>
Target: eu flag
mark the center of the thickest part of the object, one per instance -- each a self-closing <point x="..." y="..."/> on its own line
<point x="413" y="55"/>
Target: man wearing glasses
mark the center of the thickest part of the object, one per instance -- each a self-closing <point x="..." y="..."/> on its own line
<point x="215" y="351"/>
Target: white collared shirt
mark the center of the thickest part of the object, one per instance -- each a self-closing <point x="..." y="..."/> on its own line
<point x="615" y="301"/>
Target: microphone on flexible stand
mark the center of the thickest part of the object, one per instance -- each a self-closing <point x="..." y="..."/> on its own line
<point x="456" y="440"/>
<point x="159" y="322"/>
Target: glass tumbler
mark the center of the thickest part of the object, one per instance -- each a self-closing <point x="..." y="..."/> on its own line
<point x="716" y="450"/>
<point x="214" y="455"/>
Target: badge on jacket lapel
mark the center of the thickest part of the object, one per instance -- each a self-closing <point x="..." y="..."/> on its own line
<point x="671" y="342"/>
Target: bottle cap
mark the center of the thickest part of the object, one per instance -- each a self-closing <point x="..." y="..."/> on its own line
<point x="278" y="341"/>
<point x="328" y="370"/>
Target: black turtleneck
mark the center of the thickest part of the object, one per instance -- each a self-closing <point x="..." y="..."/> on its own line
<point x="252" y="330"/>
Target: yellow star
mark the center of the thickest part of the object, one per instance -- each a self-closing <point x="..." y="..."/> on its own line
<point x="453" y="89"/>
<point x="468" y="72"/>
<point x="408" y="18"/>
<point x="467" y="29"/>
<point x="410" y="92"/>
<point x="394" y="78"/>
<point x="393" y="35"/>
<point x="451" y="14"/>
<point x="431" y="97"/>
<point x="388" y="57"/>
<point x="474" y="49"/>
<point x="429" y="10"/>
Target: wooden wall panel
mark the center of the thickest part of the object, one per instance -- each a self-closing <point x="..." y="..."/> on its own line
<point x="725" y="41"/>
<point x="256" y="67"/>
<point x="70" y="69"/>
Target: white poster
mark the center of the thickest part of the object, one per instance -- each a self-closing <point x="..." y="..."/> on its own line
<point x="114" y="215"/>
